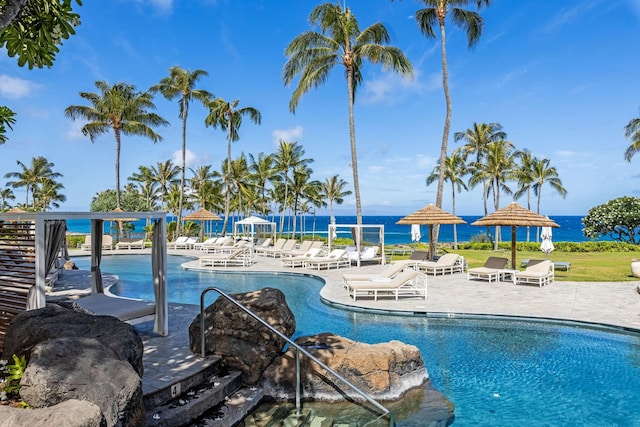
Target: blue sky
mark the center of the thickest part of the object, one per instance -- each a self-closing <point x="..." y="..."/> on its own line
<point x="561" y="76"/>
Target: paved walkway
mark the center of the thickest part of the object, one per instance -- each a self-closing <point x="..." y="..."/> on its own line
<point x="167" y="359"/>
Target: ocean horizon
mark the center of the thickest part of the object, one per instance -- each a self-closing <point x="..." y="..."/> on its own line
<point x="570" y="229"/>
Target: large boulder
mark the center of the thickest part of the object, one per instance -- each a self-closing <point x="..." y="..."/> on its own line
<point x="71" y="413"/>
<point x="386" y="371"/>
<point x="245" y="344"/>
<point x="53" y="321"/>
<point x="83" y="368"/>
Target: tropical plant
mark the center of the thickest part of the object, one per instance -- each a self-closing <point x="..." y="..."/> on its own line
<point x="47" y="194"/>
<point x="7" y="120"/>
<point x="33" y="29"/>
<point x="14" y="373"/>
<point x="455" y="169"/>
<point x="632" y="131"/>
<point x="312" y="55"/>
<point x="105" y="201"/>
<point x="289" y="156"/>
<point x="229" y="118"/>
<point x="120" y="108"/>
<point x="523" y="173"/>
<point x="164" y="174"/>
<point x="333" y="189"/>
<point x="181" y="83"/>
<point x="31" y="177"/>
<point x="618" y="219"/>
<point x="471" y="22"/>
<point x="6" y="194"/>
<point x="263" y="170"/>
<point x="202" y="186"/>
<point x="543" y="172"/>
<point x="147" y="186"/>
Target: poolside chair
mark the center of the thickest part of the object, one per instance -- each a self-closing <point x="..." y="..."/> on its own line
<point x="213" y="247"/>
<point x="179" y="241"/>
<point x="446" y="264"/>
<point x="300" y="260"/>
<point x="367" y="253"/>
<point x="407" y="283"/>
<point x="86" y="246"/>
<point x="493" y="270"/>
<point x="241" y="257"/>
<point x="393" y="270"/>
<point x="541" y="273"/>
<point x="304" y="247"/>
<point x="125" y="309"/>
<point x="274" y="252"/>
<point x="262" y="250"/>
<point x="126" y="243"/>
<point x="415" y="257"/>
<point x="337" y="258"/>
<point x="209" y="241"/>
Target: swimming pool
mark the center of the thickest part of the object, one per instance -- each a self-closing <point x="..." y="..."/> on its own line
<point x="497" y="372"/>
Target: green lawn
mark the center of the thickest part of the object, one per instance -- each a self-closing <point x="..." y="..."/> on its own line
<point x="585" y="266"/>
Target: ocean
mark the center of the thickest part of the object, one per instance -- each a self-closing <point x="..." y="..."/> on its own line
<point x="570" y="228"/>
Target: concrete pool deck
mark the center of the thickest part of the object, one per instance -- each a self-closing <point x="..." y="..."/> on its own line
<point x="605" y="303"/>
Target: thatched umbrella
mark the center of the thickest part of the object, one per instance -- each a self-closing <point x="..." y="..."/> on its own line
<point x="514" y="215"/>
<point x="202" y="215"/>
<point x="431" y="215"/>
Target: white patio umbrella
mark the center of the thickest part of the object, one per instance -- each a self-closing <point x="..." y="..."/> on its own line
<point x="415" y="232"/>
<point x="547" y="245"/>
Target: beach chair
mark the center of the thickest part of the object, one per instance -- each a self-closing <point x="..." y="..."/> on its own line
<point x="407" y="283"/>
<point x="415" y="257"/>
<point x="300" y="260"/>
<point x="540" y="273"/>
<point x="337" y="258"/>
<point x="446" y="264"/>
<point x="86" y="246"/>
<point x="286" y="247"/>
<point x="180" y="241"/>
<point x="241" y="257"/>
<point x="304" y="247"/>
<point x="493" y="270"/>
<point x="393" y="270"/>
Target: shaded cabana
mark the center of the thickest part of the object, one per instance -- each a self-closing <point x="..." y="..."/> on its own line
<point x="202" y="215"/>
<point x="30" y="244"/>
<point x="431" y="215"/>
<point x="253" y="226"/>
<point x="361" y="234"/>
<point x="514" y="215"/>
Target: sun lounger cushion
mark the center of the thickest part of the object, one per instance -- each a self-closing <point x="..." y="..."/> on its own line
<point x="121" y="308"/>
<point x="541" y="274"/>
<point x="491" y="271"/>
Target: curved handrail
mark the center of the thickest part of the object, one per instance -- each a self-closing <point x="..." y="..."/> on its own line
<point x="299" y="349"/>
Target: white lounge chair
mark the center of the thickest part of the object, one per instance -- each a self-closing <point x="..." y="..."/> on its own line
<point x="126" y="243"/>
<point x="301" y="260"/>
<point x="241" y="257"/>
<point x="304" y="247"/>
<point x="180" y="241"/>
<point x="107" y="242"/>
<point x="262" y="250"/>
<point x="493" y="269"/>
<point x="288" y="245"/>
<point x="541" y="273"/>
<point x="407" y="283"/>
<point x="446" y="264"/>
<point x="86" y="246"/>
<point x="337" y="258"/>
<point x="391" y="271"/>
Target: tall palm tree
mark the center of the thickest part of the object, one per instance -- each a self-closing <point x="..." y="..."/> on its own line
<point x="312" y="55"/>
<point x="228" y="116"/>
<point x="165" y="174"/>
<point x="263" y="170"/>
<point x="333" y="189"/>
<point x="48" y="194"/>
<point x="120" y="108"/>
<point x="201" y="185"/>
<point x="455" y="168"/>
<point x="471" y="22"/>
<point x="6" y="194"/>
<point x="32" y="176"/>
<point x="147" y="185"/>
<point x="524" y="174"/>
<point x="288" y="157"/>
<point x="543" y="172"/>
<point x="632" y="130"/>
<point x="181" y="83"/>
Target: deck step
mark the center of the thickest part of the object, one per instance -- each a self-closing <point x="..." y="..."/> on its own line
<point x="193" y="403"/>
<point x="233" y="410"/>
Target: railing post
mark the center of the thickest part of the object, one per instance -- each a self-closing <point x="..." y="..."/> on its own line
<point x="298" y="383"/>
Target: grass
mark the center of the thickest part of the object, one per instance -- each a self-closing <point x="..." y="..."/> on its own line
<point x="585" y="266"/>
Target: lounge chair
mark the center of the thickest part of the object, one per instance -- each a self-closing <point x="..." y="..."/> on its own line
<point x="393" y="270"/>
<point x="86" y="246"/>
<point x="125" y="309"/>
<point x="262" y="250"/>
<point x="541" y="273"/>
<point x="415" y="257"/>
<point x="126" y="243"/>
<point x="337" y="258"/>
<point x="209" y="241"/>
<point x="304" y="247"/>
<point x="367" y="253"/>
<point x="405" y="283"/>
<point x="557" y="265"/>
<point x="288" y="245"/>
<point x="107" y="242"/>
<point x="446" y="264"/>
<point x="300" y="260"/>
<point x="493" y="270"/>
<point x="213" y="247"/>
<point x="180" y="241"/>
<point x="241" y="257"/>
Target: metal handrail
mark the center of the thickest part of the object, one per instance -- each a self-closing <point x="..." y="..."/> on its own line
<point x="298" y="348"/>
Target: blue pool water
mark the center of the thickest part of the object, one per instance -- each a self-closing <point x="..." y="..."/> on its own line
<point x="496" y="372"/>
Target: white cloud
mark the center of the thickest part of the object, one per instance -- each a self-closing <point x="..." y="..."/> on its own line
<point x="289" y="135"/>
<point x="570" y="15"/>
<point x="161" y="6"/>
<point x="75" y="130"/>
<point x="390" y="86"/>
<point x="14" y="88"/>
<point x="190" y="158"/>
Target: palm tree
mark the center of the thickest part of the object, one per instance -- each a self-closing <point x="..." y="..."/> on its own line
<point x="454" y="169"/>
<point x="48" y="194"/>
<point x="333" y="189"/>
<point x="288" y="157"/>
<point x="524" y="174"/>
<point x="31" y="177"/>
<point x="312" y="55"/>
<point x="201" y="185"/>
<point x="229" y="117"/>
<point x="471" y="22"/>
<point x="545" y="173"/>
<point x="164" y="174"/>
<point x="181" y="83"/>
<point x="7" y="120"/>
<point x="263" y="170"/>
<point x="120" y="108"/>
<point x="632" y="130"/>
<point x="5" y="195"/>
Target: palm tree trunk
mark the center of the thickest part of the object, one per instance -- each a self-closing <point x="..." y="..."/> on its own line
<point x="354" y="155"/>
<point x="185" y="108"/>
<point x="227" y="179"/>
<point x="453" y="208"/>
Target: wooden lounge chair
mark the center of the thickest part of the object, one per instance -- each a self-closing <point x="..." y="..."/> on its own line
<point x="393" y="270"/>
<point x="406" y="283"/>
<point x="541" y="273"/>
<point x="491" y="271"/>
<point x="337" y="258"/>
<point x="300" y="260"/>
<point x="241" y="257"/>
<point x="446" y="264"/>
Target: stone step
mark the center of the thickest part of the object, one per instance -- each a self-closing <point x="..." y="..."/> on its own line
<point x="171" y="388"/>
<point x="285" y="416"/>
<point x="233" y="410"/>
<point x="193" y="403"/>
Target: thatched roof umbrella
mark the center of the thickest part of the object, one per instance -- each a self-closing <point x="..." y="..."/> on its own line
<point x="202" y="215"/>
<point x="431" y="215"/>
<point x="514" y="215"/>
